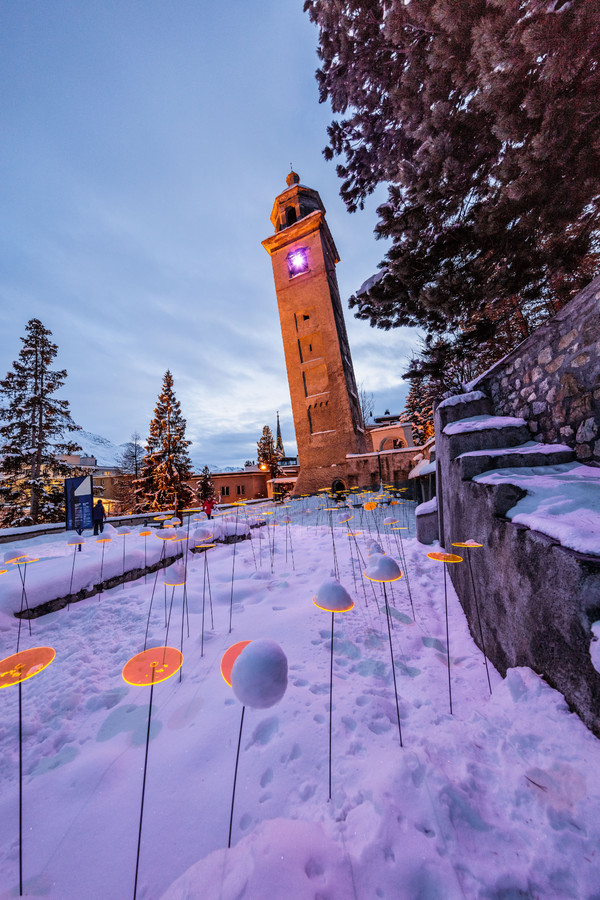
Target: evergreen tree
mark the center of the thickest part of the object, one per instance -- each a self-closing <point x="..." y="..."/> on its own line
<point x="481" y="116"/>
<point x="32" y="437"/>
<point x="166" y="465"/>
<point x="205" y="489"/>
<point x="268" y="457"/>
<point x="418" y="410"/>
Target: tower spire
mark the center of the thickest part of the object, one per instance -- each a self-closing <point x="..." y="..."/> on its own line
<point x="279" y="443"/>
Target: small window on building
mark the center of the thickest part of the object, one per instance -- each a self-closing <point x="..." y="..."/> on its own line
<point x="225" y="490"/>
<point x="241" y="489"/>
<point x="290" y="215"/>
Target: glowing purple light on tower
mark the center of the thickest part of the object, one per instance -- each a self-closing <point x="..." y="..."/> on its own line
<point x="298" y="261"/>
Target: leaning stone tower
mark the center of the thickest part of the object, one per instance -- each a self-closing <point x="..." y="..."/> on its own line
<point x="325" y="406"/>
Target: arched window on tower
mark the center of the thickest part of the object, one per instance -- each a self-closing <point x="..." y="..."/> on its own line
<point x="290" y="215"/>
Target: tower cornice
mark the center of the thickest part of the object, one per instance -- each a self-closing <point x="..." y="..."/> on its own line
<point x="303" y="227"/>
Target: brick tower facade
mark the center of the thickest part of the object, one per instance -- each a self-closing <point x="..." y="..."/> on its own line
<point x="325" y="406"/>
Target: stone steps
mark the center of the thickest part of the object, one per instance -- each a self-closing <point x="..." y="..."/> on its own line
<point x="485" y="432"/>
<point x="531" y="453"/>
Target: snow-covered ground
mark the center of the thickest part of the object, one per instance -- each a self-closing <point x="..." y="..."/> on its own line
<point x="498" y="800"/>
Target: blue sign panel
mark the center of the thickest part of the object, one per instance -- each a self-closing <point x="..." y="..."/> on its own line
<point x="78" y="503"/>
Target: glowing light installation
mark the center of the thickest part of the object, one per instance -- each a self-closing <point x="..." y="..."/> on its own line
<point x="149" y="667"/>
<point x="384" y="570"/>
<point x="76" y="542"/>
<point x="16" y="669"/>
<point x="473" y="544"/>
<point x="103" y="539"/>
<point x="257" y="673"/>
<point x="443" y="557"/>
<point x="332" y="597"/>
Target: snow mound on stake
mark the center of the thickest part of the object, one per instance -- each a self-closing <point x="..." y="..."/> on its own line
<point x="383" y="568"/>
<point x="333" y="596"/>
<point x="259" y="674"/>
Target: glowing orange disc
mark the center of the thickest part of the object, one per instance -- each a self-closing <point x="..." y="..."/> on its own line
<point x="24" y="665"/>
<point x="229" y="657"/>
<point x="370" y="505"/>
<point x="152" y="666"/>
<point x="445" y="557"/>
<point x="466" y="544"/>
<point x="103" y="540"/>
<point x="205" y="546"/>
<point x="145" y="533"/>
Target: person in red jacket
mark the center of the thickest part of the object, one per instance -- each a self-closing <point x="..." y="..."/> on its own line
<point x="208" y="507"/>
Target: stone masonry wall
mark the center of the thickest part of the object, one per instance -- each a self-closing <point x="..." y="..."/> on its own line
<point x="552" y="379"/>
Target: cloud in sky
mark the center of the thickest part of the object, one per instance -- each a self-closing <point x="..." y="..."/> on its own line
<point x="143" y="147"/>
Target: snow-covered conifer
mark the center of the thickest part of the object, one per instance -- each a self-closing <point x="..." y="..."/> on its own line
<point x="166" y="466"/>
<point x="32" y="436"/>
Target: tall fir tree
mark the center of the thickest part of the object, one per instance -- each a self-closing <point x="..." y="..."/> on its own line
<point x="166" y="465"/>
<point x="481" y="117"/>
<point x="205" y="489"/>
<point x="32" y="437"/>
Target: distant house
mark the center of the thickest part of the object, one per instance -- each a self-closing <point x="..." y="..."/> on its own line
<point x="103" y="477"/>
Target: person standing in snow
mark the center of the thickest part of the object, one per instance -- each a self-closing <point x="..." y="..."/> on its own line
<point x="208" y="507"/>
<point x="98" y="516"/>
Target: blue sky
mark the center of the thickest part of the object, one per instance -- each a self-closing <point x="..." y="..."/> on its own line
<point x="143" y="146"/>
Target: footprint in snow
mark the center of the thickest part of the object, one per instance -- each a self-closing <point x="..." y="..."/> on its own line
<point x="266" y="777"/>
<point x="264" y="732"/>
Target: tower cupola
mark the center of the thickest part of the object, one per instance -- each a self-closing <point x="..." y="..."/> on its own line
<point x="296" y="202"/>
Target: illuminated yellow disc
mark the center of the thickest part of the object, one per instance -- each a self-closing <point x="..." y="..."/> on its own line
<point x="445" y="557"/>
<point x="145" y="533"/>
<point x="466" y="544"/>
<point x="383" y="580"/>
<point x="24" y="665"/>
<point x="152" y="666"/>
<point x="103" y="540"/>
<point x="334" y="610"/>
<point x="205" y="546"/>
<point x="229" y="657"/>
<point x="399" y="527"/>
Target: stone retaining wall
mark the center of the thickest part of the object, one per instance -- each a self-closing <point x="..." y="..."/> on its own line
<point x="552" y="379"/>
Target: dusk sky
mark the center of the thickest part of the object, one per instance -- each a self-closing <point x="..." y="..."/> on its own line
<point x="142" y="147"/>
